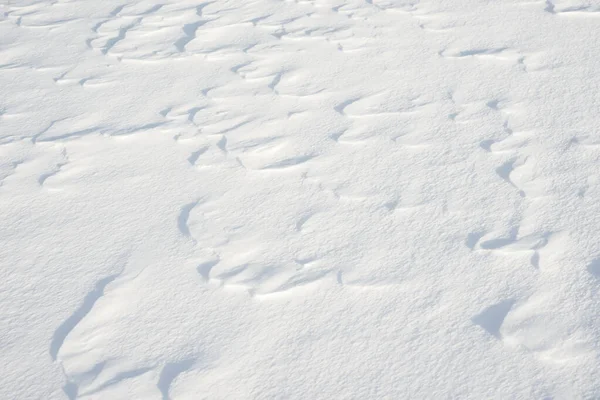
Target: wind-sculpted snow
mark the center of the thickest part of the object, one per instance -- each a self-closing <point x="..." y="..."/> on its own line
<point x="299" y="199"/>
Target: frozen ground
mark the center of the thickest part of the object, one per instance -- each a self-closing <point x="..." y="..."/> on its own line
<point x="320" y="199"/>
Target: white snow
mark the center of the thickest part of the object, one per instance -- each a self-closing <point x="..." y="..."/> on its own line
<point x="308" y="199"/>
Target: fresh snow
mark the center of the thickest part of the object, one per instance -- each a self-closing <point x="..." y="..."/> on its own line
<point x="308" y="199"/>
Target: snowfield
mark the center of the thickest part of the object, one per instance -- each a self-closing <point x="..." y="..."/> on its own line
<point x="308" y="199"/>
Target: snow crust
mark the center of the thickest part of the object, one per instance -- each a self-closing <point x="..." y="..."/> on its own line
<point x="309" y="199"/>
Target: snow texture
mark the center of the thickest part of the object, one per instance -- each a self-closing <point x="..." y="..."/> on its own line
<point x="300" y="199"/>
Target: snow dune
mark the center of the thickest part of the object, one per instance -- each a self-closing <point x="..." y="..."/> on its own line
<point x="308" y="199"/>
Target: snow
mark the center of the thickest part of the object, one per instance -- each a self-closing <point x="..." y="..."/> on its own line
<point x="309" y="199"/>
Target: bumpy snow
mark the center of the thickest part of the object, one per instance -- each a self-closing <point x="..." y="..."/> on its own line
<point x="309" y="199"/>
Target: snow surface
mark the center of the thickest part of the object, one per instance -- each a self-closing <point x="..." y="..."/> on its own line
<point x="310" y="199"/>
